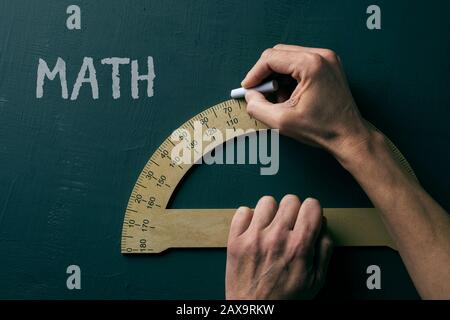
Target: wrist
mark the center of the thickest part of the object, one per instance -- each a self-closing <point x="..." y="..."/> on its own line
<point x="354" y="150"/>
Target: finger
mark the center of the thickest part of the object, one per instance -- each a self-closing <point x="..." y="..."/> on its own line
<point x="240" y="222"/>
<point x="265" y="210"/>
<point x="287" y="213"/>
<point x="265" y="111"/>
<point x="324" y="252"/>
<point x="272" y="60"/>
<point x="325" y="53"/>
<point x="308" y="224"/>
<point x="294" y="48"/>
<point x="288" y="47"/>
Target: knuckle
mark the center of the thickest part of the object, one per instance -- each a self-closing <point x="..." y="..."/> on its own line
<point x="278" y="46"/>
<point x="330" y="55"/>
<point x="250" y="245"/>
<point x="316" y="62"/>
<point x="247" y="244"/>
<point x="267" y="53"/>
<point x="242" y="246"/>
<point x="274" y="242"/>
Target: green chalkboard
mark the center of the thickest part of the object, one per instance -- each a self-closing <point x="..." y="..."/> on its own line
<point x="67" y="167"/>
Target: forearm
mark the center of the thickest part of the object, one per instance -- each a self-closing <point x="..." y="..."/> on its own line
<point x="417" y="224"/>
<point x="319" y="110"/>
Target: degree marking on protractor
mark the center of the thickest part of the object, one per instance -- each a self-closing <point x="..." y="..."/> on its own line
<point x="151" y="228"/>
<point x="137" y="211"/>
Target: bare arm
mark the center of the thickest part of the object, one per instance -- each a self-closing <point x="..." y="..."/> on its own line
<point x="418" y="225"/>
<point x="320" y="111"/>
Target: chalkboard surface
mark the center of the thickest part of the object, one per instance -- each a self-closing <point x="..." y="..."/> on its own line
<point x="67" y="167"/>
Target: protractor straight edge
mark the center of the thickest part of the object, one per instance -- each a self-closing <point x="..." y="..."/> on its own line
<point x="149" y="227"/>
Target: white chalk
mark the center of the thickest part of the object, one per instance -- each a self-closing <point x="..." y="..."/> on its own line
<point x="269" y="86"/>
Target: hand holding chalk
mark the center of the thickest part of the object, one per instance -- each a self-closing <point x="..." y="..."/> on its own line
<point x="270" y="86"/>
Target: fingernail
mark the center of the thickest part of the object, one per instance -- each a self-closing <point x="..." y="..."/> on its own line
<point x="310" y="199"/>
<point x="244" y="82"/>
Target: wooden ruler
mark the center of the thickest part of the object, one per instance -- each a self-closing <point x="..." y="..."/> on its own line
<point x="149" y="227"/>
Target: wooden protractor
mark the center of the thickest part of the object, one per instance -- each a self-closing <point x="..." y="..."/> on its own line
<point x="150" y="227"/>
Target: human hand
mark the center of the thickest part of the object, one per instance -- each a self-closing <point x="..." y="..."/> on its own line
<point x="318" y="109"/>
<point x="277" y="252"/>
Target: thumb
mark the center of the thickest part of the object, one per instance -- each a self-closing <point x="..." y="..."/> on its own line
<point x="265" y="111"/>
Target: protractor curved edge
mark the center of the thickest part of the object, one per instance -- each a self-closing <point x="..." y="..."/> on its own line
<point x="142" y="231"/>
<point x="149" y="227"/>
